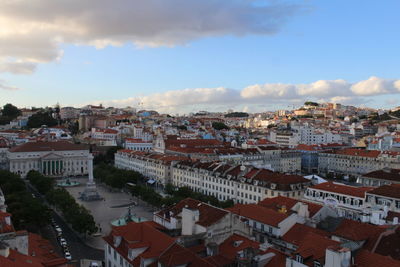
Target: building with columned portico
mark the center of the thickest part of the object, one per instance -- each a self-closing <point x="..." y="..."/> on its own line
<point x="51" y="158"/>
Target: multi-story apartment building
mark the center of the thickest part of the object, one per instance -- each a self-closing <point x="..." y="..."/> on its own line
<point x="155" y="166"/>
<point x="242" y="184"/>
<point x="386" y="198"/>
<point x="380" y="177"/>
<point x="314" y="136"/>
<point x="138" y="144"/>
<point x="356" y="162"/>
<point x="347" y="200"/>
<point x="280" y="159"/>
<point x="67" y="113"/>
<point x="191" y="217"/>
<point x="378" y="206"/>
<point x="310" y="154"/>
<point x="286" y="138"/>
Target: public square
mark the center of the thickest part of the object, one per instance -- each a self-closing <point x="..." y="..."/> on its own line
<point x="103" y="212"/>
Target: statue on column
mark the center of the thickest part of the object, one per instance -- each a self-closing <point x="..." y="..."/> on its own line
<point x="90" y="193"/>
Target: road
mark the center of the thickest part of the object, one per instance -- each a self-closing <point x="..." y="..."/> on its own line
<point x="79" y="250"/>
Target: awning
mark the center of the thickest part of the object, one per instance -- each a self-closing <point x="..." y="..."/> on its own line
<point x="151" y="181"/>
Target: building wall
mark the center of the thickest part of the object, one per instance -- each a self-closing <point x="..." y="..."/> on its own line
<point x="73" y="162"/>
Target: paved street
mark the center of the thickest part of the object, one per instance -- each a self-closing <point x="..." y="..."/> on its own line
<point x="102" y="211"/>
<point x="79" y="250"/>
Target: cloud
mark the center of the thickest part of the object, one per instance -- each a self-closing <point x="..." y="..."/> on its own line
<point x="18" y="67"/>
<point x="374" y="86"/>
<point x="32" y="31"/>
<point x="324" y="88"/>
<point x="174" y="100"/>
<point x="221" y="98"/>
<point x="4" y="86"/>
<point x="277" y="91"/>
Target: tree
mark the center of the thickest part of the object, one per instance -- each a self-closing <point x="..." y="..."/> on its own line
<point x="310" y="103"/>
<point x="237" y="115"/>
<point x="41" y="118"/>
<point x="10" y="111"/>
<point x="182" y="127"/>
<point x="219" y="126"/>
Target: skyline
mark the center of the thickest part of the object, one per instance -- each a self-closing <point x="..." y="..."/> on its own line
<point x="257" y="56"/>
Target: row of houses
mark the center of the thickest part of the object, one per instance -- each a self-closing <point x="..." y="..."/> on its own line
<point x="275" y="232"/>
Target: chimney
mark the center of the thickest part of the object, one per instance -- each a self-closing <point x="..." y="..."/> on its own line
<point x="4" y="249"/>
<point x="212" y="249"/>
<point x="8" y="220"/>
<point x="337" y="257"/>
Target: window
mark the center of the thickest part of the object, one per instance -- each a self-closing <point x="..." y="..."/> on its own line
<point x="317" y="264"/>
<point x="299" y="258"/>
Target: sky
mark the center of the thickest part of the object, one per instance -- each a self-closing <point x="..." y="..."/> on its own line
<point x="180" y="56"/>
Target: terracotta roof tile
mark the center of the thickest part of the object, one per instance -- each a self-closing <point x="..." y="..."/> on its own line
<point x="342" y="189"/>
<point x="365" y="258"/>
<point x="208" y="214"/>
<point x="298" y="232"/>
<point x="47" y="146"/>
<point x="259" y="213"/>
<point x="392" y="191"/>
<point x="278" y="202"/>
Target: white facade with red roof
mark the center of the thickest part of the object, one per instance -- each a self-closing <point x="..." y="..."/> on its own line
<point x="192" y="217"/>
<point x="51" y="158"/>
<point x="242" y="184"/>
<point x="351" y="161"/>
<point x="154" y="166"/>
<point x="137" y="144"/>
<point x="348" y="201"/>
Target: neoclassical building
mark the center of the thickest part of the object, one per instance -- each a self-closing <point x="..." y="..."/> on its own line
<point x="51" y="158"/>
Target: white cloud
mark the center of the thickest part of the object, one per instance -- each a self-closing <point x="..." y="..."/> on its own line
<point x="374" y="86"/>
<point x="18" y="67"/>
<point x="5" y="86"/>
<point x="174" y="100"/>
<point x="324" y="88"/>
<point x="269" y="91"/>
<point x="31" y="31"/>
<point x="187" y="100"/>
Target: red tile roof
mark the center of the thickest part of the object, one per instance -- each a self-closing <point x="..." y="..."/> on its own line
<point x="357" y="231"/>
<point x="259" y="213"/>
<point x="314" y="246"/>
<point x="47" y="146"/>
<point x="389" y="244"/>
<point x="392" y="191"/>
<point x="177" y="255"/>
<point x="154" y="241"/>
<point x="298" y="232"/>
<point x="208" y="214"/>
<point x="358" y="152"/>
<point x="342" y="189"/>
<point x="392" y="175"/>
<point x="43" y="250"/>
<point x="365" y="258"/>
<point x="279" y="260"/>
<point x="278" y="202"/>
<point x="235" y="243"/>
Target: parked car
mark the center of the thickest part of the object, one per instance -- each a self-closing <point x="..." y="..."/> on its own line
<point x="63" y="242"/>
<point x="68" y="256"/>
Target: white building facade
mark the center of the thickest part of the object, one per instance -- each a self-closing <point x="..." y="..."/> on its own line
<point x="58" y="158"/>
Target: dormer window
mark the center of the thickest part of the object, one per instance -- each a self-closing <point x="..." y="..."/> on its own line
<point x="273" y="186"/>
<point x="117" y="241"/>
<point x="317" y="264"/>
<point x="299" y="258"/>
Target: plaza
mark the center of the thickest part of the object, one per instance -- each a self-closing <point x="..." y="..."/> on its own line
<point x="102" y="210"/>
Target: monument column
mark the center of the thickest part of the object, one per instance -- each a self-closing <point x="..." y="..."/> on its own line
<point x="90" y="193"/>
